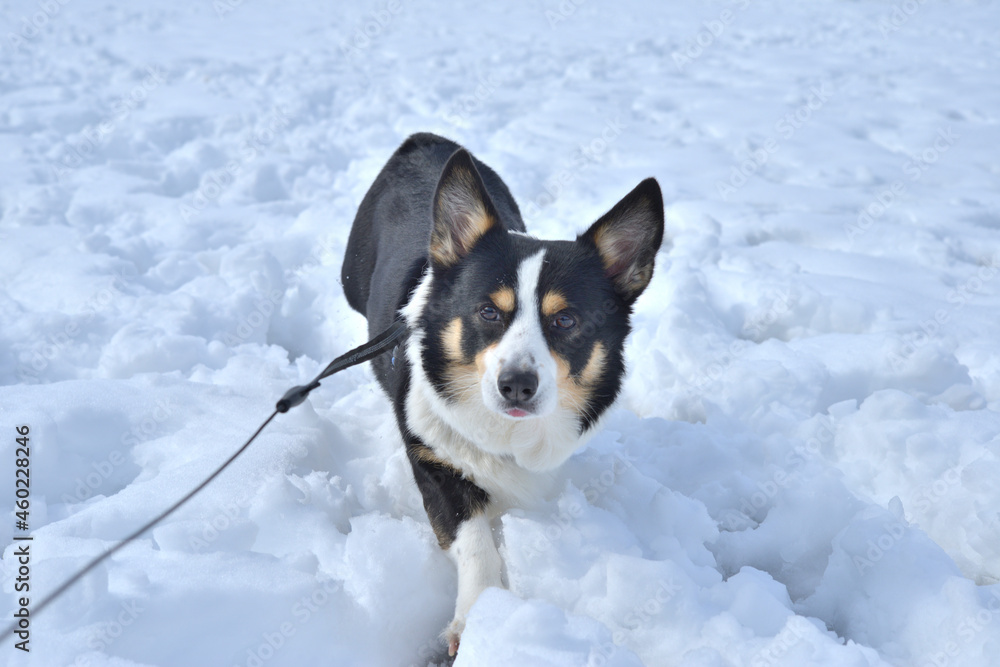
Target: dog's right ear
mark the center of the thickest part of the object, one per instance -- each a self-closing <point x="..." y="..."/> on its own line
<point x="628" y="237"/>
<point x="462" y="211"/>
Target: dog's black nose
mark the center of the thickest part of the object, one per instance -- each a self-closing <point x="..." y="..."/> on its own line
<point x="517" y="385"/>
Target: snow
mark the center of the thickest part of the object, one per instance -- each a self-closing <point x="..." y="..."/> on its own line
<point x="803" y="466"/>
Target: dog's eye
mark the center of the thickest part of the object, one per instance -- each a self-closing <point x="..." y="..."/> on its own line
<point x="489" y="313"/>
<point x="564" y="321"/>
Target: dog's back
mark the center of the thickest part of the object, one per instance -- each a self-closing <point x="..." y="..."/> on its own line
<point x="387" y="249"/>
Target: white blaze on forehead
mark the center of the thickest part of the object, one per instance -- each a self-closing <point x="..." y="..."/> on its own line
<point x="523" y="346"/>
<point x="524" y="343"/>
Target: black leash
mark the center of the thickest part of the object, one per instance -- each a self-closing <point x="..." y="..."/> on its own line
<point x="292" y="397"/>
<point x="358" y="355"/>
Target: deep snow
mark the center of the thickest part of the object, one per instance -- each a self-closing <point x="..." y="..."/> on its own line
<point x="803" y="468"/>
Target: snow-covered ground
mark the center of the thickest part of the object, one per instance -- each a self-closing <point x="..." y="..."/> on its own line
<point x="804" y="468"/>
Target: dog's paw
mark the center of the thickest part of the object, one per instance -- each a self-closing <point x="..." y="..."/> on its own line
<point x="453" y="634"/>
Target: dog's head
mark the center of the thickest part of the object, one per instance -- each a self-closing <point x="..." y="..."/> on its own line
<point x="523" y="327"/>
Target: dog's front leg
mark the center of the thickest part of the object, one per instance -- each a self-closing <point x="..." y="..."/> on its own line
<point x="478" y="562"/>
<point x="457" y="509"/>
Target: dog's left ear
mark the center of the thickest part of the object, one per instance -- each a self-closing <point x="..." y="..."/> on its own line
<point x="627" y="238"/>
<point x="462" y="211"/>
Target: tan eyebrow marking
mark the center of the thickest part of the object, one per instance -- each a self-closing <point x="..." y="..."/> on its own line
<point x="504" y="299"/>
<point x="552" y="303"/>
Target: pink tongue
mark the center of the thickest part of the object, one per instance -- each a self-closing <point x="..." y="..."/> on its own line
<point x="517" y="413"/>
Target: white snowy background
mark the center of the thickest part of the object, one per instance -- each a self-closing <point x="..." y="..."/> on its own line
<point x="803" y="469"/>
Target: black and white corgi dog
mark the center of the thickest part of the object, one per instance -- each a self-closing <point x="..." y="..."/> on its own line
<point x="515" y="344"/>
